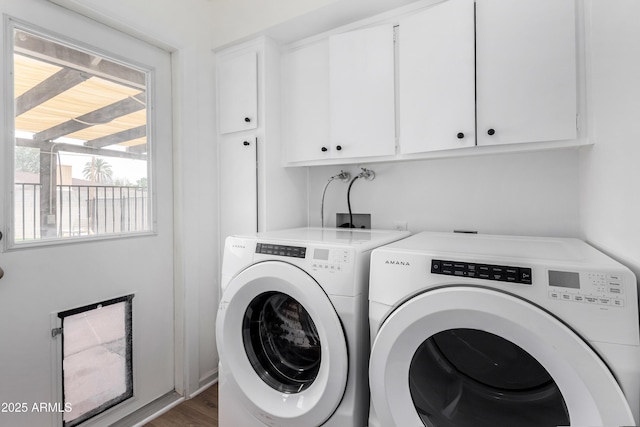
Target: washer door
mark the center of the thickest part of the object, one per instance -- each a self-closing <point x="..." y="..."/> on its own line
<point x="474" y="357"/>
<point x="282" y="341"/>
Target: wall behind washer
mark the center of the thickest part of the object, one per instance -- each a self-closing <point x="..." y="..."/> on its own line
<point x="533" y="193"/>
<point x="609" y="171"/>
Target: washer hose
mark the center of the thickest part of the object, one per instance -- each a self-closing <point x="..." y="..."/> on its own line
<point x="349" y="202"/>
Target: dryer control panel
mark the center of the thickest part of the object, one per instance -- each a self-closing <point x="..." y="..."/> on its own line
<point x="501" y="273"/>
<point x="587" y="287"/>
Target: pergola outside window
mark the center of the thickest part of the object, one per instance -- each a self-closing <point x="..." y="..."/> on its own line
<point x="81" y="143"/>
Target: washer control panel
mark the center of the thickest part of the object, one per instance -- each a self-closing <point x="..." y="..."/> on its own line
<point x="501" y="273"/>
<point x="319" y="258"/>
<point x="329" y="259"/>
<point x="281" y="250"/>
<point x="594" y="288"/>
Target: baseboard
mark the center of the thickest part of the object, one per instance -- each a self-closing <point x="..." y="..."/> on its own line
<point x="164" y="404"/>
<point x="207" y="381"/>
<point x="151" y="411"/>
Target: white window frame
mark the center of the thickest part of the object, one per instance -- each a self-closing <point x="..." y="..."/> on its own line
<point x="11" y="24"/>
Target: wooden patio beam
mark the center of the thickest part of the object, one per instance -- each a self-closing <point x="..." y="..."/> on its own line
<point x="71" y="148"/>
<point x="117" y="138"/>
<point x="140" y="148"/>
<point x="64" y="56"/>
<point x="53" y="86"/>
<point x="100" y="116"/>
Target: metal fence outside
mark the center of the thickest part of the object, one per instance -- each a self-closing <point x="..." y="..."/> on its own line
<point x="82" y="210"/>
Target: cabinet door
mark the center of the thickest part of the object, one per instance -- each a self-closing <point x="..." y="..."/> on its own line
<point x="305" y="84"/>
<point x="238" y="189"/>
<point x="437" y="78"/>
<point x="362" y="92"/>
<point x="526" y="70"/>
<point x="238" y="93"/>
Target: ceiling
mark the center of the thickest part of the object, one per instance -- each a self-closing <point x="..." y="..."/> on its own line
<point x="70" y="100"/>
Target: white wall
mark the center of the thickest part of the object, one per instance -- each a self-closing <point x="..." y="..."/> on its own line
<point x="610" y="170"/>
<point x="233" y="20"/>
<point x="212" y="23"/>
<point x="534" y="193"/>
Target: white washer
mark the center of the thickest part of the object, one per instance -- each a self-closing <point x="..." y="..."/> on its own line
<point x="292" y="329"/>
<point x="480" y="330"/>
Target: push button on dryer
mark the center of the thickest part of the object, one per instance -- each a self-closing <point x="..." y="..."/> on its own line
<point x="525" y="275"/>
<point x="617" y="303"/>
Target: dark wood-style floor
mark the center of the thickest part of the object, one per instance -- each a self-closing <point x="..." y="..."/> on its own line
<point x="201" y="411"/>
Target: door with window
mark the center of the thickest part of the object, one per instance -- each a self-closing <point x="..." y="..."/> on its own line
<point x="86" y="220"/>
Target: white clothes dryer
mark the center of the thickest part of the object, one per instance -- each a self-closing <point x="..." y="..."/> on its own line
<point x="292" y="328"/>
<point x="486" y="331"/>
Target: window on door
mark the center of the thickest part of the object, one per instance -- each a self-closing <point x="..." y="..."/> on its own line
<point x="81" y="147"/>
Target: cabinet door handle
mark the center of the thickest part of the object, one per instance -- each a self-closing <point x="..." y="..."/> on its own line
<point x="1" y="273"/>
<point x="247" y="119"/>
<point x="491" y="131"/>
<point x="324" y="149"/>
<point x="338" y="147"/>
<point x="460" y="135"/>
<point x="246" y="143"/>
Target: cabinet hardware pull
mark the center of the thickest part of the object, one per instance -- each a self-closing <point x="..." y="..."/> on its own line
<point x="491" y="131"/>
<point x="460" y="135"/>
<point x="247" y="119"/>
<point x="338" y="147"/>
<point x="324" y="149"/>
<point x="246" y="143"/>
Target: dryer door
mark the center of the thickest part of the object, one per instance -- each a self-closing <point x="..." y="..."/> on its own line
<point x="282" y="342"/>
<point x="474" y="357"/>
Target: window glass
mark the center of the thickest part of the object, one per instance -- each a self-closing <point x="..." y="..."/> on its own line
<point x="81" y="143"/>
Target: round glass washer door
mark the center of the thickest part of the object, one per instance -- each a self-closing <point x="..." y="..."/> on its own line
<point x="282" y="341"/>
<point x="475" y="357"/>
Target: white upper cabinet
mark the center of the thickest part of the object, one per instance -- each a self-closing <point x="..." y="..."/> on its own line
<point x="338" y="97"/>
<point x="237" y="93"/>
<point x="305" y="88"/>
<point x="526" y="71"/>
<point x="437" y="78"/>
<point x="508" y="74"/>
<point x="362" y="94"/>
<point x="462" y="73"/>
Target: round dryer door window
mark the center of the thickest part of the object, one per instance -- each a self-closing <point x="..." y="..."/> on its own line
<point x="472" y="378"/>
<point x="282" y="342"/>
<point x="474" y="357"/>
